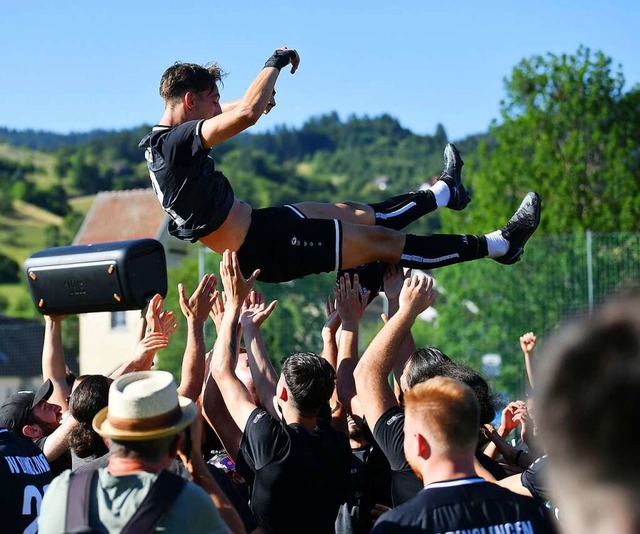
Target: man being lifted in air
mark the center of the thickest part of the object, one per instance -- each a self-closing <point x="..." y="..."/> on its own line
<point x="299" y="239"/>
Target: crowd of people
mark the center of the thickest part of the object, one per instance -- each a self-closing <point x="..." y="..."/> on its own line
<point x="397" y="439"/>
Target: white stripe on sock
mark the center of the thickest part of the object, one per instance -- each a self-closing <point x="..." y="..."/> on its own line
<point x="397" y="212"/>
<point x="420" y="259"/>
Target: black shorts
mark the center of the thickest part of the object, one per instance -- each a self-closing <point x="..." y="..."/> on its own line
<point x="285" y="245"/>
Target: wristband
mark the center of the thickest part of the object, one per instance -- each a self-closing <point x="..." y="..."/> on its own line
<point x="280" y="58"/>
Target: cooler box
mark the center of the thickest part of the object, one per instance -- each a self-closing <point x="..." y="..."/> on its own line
<point x="121" y="275"/>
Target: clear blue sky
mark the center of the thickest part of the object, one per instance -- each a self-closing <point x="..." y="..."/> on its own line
<point x="75" y="66"/>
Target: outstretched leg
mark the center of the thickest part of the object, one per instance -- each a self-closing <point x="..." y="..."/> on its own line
<point x="363" y="244"/>
<point x="286" y="246"/>
<point x="400" y="211"/>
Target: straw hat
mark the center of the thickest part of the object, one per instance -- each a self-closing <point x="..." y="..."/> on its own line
<point x="144" y="405"/>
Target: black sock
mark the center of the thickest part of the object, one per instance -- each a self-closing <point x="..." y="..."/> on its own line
<point x="431" y="251"/>
<point x="400" y="211"/>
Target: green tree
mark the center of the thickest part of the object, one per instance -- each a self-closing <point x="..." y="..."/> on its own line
<point x="567" y="131"/>
<point x="9" y="270"/>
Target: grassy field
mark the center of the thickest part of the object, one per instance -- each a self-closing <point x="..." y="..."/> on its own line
<point x="82" y="204"/>
<point x="22" y="233"/>
<point x="43" y="176"/>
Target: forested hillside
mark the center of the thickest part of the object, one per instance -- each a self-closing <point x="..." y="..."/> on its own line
<point x="569" y="129"/>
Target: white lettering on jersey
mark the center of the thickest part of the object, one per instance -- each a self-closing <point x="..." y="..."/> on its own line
<point x="148" y="155"/>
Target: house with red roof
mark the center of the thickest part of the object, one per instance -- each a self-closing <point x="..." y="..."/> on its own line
<point x="108" y="338"/>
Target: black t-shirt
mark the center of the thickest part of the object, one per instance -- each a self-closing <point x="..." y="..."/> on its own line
<point x="389" y="435"/>
<point x="301" y="475"/>
<point x="24" y="477"/>
<point x="466" y="505"/>
<point x="535" y="479"/>
<point x="194" y="194"/>
<point x="370" y="484"/>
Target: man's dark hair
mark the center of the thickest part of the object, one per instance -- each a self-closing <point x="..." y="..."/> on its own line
<point x="181" y="78"/>
<point x="70" y="378"/>
<point x="442" y="365"/>
<point x="422" y="365"/>
<point x="91" y="395"/>
<point x="473" y="379"/>
<point x="310" y="380"/>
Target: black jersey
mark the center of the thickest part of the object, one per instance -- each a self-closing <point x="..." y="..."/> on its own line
<point x="194" y="194"/>
<point x="389" y="435"/>
<point x="301" y="474"/>
<point x="467" y="505"/>
<point x="370" y="484"/>
<point x="24" y="477"/>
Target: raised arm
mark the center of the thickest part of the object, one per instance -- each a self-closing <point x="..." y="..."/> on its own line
<point x="253" y="104"/>
<point x="254" y="313"/>
<point x="200" y="474"/>
<point x="330" y="333"/>
<point x="394" y="278"/>
<point x="54" y="366"/>
<point x="213" y="407"/>
<point x="350" y="307"/>
<point x="378" y="360"/>
<point x="196" y="310"/>
<point x="223" y="362"/>
<point x="161" y="325"/>
<point x="528" y="346"/>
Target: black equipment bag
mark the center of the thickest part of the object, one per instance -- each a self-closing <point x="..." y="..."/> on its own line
<point x="121" y="275"/>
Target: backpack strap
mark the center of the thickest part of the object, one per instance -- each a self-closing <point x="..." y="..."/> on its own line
<point x="78" y="501"/>
<point x="155" y="505"/>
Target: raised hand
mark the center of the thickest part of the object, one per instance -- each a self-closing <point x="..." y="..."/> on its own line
<point x="417" y="294"/>
<point x="393" y="280"/>
<point x="332" y="323"/>
<point x="349" y="304"/>
<point x="255" y="311"/>
<point x="164" y="322"/>
<point x="236" y="287"/>
<point x="198" y="306"/>
<point x="510" y="419"/>
<point x="528" y="343"/>
<point x="217" y="309"/>
<point x="150" y="344"/>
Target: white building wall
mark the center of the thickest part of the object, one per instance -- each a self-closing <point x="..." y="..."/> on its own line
<point x="104" y="347"/>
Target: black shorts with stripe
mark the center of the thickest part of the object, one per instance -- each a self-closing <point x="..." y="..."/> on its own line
<point x="284" y="245"/>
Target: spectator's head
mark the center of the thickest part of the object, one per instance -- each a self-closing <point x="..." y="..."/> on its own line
<point x="359" y="430"/>
<point x="430" y="362"/>
<point x="307" y="382"/>
<point x="145" y="417"/>
<point x="28" y="414"/>
<point x="588" y="403"/>
<point x="485" y="397"/>
<point x="421" y="365"/>
<point x="441" y="425"/>
<point x="88" y="398"/>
